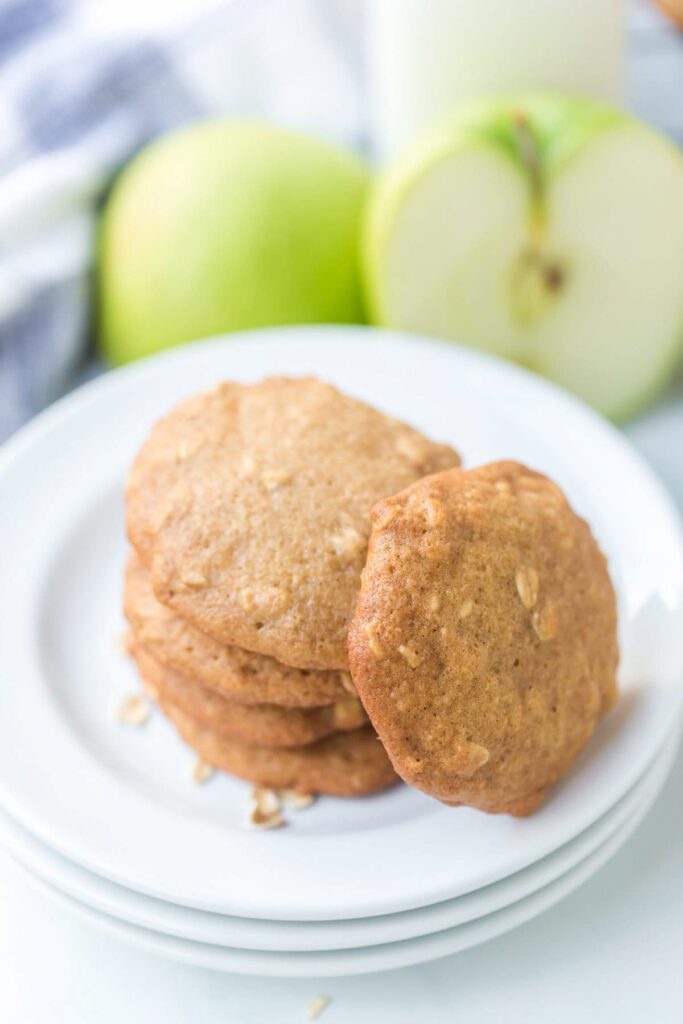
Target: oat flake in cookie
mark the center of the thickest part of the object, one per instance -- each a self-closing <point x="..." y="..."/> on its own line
<point x="250" y="506"/>
<point x="483" y="644"/>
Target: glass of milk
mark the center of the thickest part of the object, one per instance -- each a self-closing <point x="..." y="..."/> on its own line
<point x="426" y="56"/>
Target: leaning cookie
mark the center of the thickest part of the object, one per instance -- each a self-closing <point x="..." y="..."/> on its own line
<point x="483" y="644"/>
<point x="250" y="506"/>
<point x="239" y="675"/>
<point x="266" y="725"/>
<point x="346" y="764"/>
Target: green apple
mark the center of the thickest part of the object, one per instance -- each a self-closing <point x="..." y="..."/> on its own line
<point x="228" y="225"/>
<point x="542" y="228"/>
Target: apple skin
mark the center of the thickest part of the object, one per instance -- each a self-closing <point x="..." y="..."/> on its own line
<point x="227" y="226"/>
<point x="564" y="128"/>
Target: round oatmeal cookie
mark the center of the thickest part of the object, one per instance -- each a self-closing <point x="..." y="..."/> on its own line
<point x="484" y="643"/>
<point x="347" y="764"/>
<point x="267" y="725"/>
<point x="239" y="675"/>
<point x="250" y="505"/>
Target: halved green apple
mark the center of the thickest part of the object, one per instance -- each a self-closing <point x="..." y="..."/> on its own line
<point x="545" y="229"/>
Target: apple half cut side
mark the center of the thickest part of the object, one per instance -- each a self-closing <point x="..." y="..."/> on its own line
<point x="544" y="229"/>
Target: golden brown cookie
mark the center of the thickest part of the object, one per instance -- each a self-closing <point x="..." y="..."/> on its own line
<point x="237" y="674"/>
<point x="250" y="506"/>
<point x="347" y="764"/>
<point x="267" y="725"/>
<point x="484" y="645"/>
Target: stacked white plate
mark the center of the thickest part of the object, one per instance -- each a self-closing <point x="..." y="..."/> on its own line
<point x="105" y="816"/>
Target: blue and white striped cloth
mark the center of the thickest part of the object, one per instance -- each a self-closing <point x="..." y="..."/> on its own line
<point x="83" y="85"/>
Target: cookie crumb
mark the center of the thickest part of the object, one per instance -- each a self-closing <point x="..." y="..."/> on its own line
<point x="270" y="602"/>
<point x="247" y="599"/>
<point x="347" y="542"/>
<point x="265" y="799"/>
<point x="265" y="809"/>
<point x="347" y="683"/>
<point x="465" y="609"/>
<point x="434" y="513"/>
<point x="133" y="710"/>
<point x="296" y="801"/>
<point x="247" y="466"/>
<point x="410" y="655"/>
<point x="185" y="450"/>
<point x="526" y="581"/>
<point x="274" y="478"/>
<point x="191" y="578"/>
<point x="317" y="1006"/>
<point x="201" y="771"/>
<point x="475" y="756"/>
<point x="545" y="623"/>
<point x="258" y="819"/>
<point x="373" y="643"/>
<point x="348" y="714"/>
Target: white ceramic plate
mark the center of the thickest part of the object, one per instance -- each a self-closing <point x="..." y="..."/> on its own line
<point x="117" y="800"/>
<point x="388" y="956"/>
<point x="243" y="933"/>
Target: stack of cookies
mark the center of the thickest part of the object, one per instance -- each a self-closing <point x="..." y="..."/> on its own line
<point x="284" y="533"/>
<point x="248" y="511"/>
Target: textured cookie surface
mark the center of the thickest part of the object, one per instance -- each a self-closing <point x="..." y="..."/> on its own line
<point x="483" y="645"/>
<point x="250" y="505"/>
<point x="267" y="725"/>
<point x="237" y="674"/>
<point x="347" y="764"/>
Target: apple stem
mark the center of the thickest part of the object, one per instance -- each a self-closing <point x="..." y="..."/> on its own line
<point x="536" y="277"/>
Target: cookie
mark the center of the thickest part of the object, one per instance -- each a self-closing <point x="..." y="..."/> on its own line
<point x="347" y="764"/>
<point x="239" y="675"/>
<point x="484" y="644"/>
<point x="263" y="724"/>
<point x="250" y="505"/>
